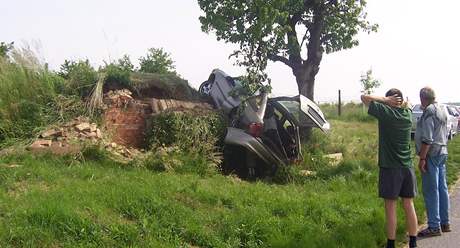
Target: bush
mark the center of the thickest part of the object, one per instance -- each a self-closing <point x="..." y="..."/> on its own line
<point x="116" y="74"/>
<point x="192" y="131"/>
<point x="194" y="140"/>
<point x="30" y="99"/>
<point x="25" y="98"/>
<point x="80" y="77"/>
<point x="157" y="61"/>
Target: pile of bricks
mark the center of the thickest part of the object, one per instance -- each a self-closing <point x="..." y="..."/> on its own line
<point x="65" y="139"/>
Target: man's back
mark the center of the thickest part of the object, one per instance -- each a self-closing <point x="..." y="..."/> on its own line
<point x="394" y="135"/>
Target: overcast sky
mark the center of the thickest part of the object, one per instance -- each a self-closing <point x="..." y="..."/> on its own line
<point x="417" y="43"/>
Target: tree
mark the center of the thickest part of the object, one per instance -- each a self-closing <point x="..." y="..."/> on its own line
<point x="294" y="32"/>
<point x="125" y="63"/>
<point x="369" y="83"/>
<point x="157" y="61"/>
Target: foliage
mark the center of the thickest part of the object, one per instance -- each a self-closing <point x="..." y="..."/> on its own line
<point x="25" y="96"/>
<point x="369" y="83"/>
<point x="125" y="63"/>
<point x="157" y="61"/>
<point x="280" y="30"/>
<point x="80" y="77"/>
<point x="185" y="130"/>
<point x="30" y="98"/>
<point x="5" y="48"/>
<point x="117" y="73"/>
<point x="191" y="135"/>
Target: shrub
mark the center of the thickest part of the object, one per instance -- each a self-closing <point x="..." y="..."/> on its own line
<point x="117" y="74"/>
<point x="80" y="77"/>
<point x="25" y="95"/>
<point x="192" y="131"/>
<point x="30" y="99"/>
<point x="193" y="140"/>
<point x="157" y="61"/>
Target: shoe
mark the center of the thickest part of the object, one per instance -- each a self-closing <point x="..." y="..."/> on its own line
<point x="445" y="228"/>
<point x="429" y="232"/>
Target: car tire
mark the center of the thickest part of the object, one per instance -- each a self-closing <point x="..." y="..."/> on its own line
<point x="205" y="88"/>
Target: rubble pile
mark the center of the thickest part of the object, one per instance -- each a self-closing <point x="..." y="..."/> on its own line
<point x="65" y="139"/>
<point x="118" y="98"/>
<point x="68" y="139"/>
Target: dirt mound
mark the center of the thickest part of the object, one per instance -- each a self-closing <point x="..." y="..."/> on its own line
<point x="160" y="86"/>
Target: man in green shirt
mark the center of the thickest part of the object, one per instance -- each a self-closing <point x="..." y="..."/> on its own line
<point x="396" y="174"/>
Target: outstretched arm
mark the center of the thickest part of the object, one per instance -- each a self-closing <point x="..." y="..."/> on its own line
<point x="392" y="101"/>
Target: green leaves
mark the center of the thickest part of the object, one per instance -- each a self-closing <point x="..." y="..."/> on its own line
<point x="369" y="83"/>
<point x="157" y="61"/>
<point x="282" y="30"/>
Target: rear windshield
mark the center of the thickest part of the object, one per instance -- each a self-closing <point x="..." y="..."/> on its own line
<point x="293" y="107"/>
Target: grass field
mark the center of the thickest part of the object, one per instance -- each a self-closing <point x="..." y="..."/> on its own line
<point x="48" y="201"/>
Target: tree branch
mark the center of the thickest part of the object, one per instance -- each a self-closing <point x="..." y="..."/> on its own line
<point x="275" y="58"/>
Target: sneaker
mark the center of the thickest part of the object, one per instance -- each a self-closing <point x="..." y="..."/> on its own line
<point x="445" y="228"/>
<point x="429" y="232"/>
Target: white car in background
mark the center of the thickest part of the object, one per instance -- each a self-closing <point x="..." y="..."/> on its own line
<point x="452" y="121"/>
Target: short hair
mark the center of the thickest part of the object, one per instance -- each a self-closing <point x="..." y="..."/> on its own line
<point x="393" y="92"/>
<point x="427" y="93"/>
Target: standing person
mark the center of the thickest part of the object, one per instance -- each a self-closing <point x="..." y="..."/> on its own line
<point x="431" y="147"/>
<point x="396" y="173"/>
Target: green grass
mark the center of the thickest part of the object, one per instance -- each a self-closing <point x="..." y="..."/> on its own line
<point x="47" y="201"/>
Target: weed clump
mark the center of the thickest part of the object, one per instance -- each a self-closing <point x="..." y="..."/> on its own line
<point x="187" y="141"/>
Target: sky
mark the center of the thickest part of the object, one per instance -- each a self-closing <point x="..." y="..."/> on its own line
<point x="417" y="43"/>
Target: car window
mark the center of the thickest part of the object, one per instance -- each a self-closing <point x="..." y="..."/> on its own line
<point x="293" y="107"/>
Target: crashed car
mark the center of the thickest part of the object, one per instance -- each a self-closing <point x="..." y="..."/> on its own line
<point x="263" y="132"/>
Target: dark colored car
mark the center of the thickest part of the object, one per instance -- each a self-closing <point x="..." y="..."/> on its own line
<point x="263" y="132"/>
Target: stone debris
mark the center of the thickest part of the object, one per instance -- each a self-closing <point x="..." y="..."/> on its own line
<point x="159" y="105"/>
<point x="307" y="173"/>
<point x="118" y="98"/>
<point x="83" y="127"/>
<point x="334" y="159"/>
<point x="68" y="139"/>
<point x="65" y="139"/>
<point x="41" y="143"/>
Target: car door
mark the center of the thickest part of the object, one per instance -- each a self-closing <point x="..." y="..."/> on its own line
<point x="305" y="112"/>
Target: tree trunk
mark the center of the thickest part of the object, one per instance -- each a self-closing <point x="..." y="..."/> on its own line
<point x="305" y="77"/>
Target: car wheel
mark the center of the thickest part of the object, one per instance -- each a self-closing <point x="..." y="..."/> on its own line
<point x="205" y="88"/>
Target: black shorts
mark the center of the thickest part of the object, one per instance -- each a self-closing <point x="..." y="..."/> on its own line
<point x="397" y="182"/>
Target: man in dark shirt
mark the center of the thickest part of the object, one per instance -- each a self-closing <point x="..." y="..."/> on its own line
<point x="396" y="175"/>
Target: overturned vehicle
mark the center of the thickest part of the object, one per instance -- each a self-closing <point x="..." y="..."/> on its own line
<point x="262" y="132"/>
